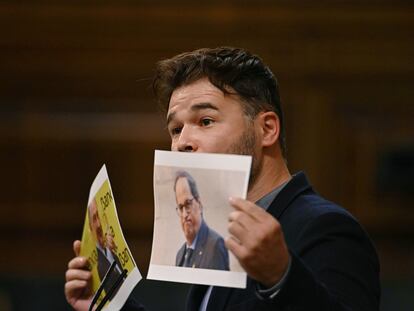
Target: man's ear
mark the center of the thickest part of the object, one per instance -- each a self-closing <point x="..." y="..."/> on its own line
<point x="269" y="126"/>
<point x="200" y="205"/>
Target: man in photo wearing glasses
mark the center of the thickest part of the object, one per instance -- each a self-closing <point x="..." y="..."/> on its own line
<point x="203" y="248"/>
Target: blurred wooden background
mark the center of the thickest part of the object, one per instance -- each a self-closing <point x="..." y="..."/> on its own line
<point x="75" y="93"/>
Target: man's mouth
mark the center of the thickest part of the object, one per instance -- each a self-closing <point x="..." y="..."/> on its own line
<point x="99" y="231"/>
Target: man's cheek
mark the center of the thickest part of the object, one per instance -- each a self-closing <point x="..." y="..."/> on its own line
<point x="187" y="227"/>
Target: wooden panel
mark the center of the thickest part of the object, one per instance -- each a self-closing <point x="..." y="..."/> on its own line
<point x="75" y="93"/>
<point x="76" y="51"/>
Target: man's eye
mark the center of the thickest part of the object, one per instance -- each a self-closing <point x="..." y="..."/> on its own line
<point x="175" y="131"/>
<point x="206" y="121"/>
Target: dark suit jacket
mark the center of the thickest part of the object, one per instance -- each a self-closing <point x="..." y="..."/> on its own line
<point x="334" y="264"/>
<point x="209" y="251"/>
<point x="103" y="266"/>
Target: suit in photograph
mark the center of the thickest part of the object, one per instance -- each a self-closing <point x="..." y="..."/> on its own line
<point x="209" y="251"/>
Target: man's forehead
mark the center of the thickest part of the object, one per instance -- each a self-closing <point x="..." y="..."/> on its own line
<point x="92" y="207"/>
<point x="198" y="91"/>
<point x="182" y="183"/>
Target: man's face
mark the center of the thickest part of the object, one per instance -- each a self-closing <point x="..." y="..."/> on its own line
<point x="201" y="118"/>
<point x="95" y="224"/>
<point x="189" y="208"/>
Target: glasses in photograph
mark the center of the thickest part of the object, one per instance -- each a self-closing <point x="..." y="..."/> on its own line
<point x="188" y="207"/>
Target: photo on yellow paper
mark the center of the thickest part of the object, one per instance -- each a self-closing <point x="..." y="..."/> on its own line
<point x="104" y="245"/>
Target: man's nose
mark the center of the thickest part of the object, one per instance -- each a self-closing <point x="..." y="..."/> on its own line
<point x="187" y="211"/>
<point x="186" y="141"/>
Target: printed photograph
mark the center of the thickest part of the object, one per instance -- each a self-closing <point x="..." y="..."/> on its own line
<point x="114" y="272"/>
<point x="191" y="217"/>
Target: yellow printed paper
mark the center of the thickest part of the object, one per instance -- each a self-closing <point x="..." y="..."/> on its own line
<point x="103" y="243"/>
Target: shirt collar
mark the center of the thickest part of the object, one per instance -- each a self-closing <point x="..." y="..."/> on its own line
<point x="266" y="200"/>
<point x="192" y="246"/>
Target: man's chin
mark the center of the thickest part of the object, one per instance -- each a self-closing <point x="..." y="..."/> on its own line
<point x="189" y="234"/>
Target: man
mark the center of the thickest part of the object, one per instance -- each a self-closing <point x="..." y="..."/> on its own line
<point x="105" y="249"/>
<point x="300" y="251"/>
<point x="204" y="248"/>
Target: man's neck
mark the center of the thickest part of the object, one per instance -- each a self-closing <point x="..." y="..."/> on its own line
<point x="272" y="174"/>
<point x="191" y="240"/>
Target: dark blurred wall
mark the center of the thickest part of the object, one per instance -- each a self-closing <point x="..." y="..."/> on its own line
<point x="75" y="93"/>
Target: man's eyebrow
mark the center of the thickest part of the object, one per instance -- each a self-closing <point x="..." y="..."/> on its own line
<point x="195" y="107"/>
<point x="202" y="106"/>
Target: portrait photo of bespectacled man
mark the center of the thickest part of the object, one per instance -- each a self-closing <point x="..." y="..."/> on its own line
<point x="191" y="214"/>
<point x="203" y="247"/>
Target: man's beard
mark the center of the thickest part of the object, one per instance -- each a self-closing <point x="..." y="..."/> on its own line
<point x="245" y="145"/>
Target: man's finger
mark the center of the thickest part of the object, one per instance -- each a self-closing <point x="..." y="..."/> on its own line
<point x="244" y="219"/>
<point x="235" y="247"/>
<point x="78" y="263"/>
<point x="76" y="247"/>
<point x="74" y="286"/>
<point x="238" y="231"/>
<point x="78" y="274"/>
<point x="248" y="207"/>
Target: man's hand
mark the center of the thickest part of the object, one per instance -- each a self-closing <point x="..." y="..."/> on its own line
<point x="110" y="242"/>
<point x="257" y="241"/>
<point x="78" y="281"/>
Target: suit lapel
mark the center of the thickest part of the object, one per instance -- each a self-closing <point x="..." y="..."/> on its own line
<point x="294" y="187"/>
<point x="218" y="298"/>
<point x="103" y="263"/>
<point x="199" y="247"/>
<point x="195" y="297"/>
<point x="180" y="256"/>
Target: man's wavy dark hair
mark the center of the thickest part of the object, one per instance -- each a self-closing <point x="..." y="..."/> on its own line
<point x="232" y="70"/>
